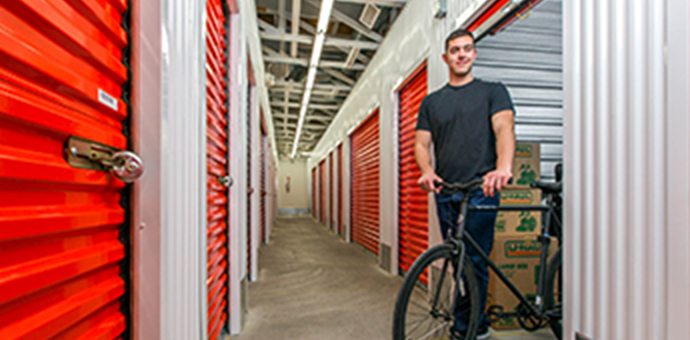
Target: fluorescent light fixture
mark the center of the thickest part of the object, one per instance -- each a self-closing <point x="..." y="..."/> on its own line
<point x="322" y="26"/>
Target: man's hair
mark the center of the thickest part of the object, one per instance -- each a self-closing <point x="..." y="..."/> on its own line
<point x="460" y="32"/>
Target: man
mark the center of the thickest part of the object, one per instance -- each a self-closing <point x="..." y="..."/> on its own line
<point x="471" y="123"/>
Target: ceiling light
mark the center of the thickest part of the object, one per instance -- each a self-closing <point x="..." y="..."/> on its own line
<point x="324" y="17"/>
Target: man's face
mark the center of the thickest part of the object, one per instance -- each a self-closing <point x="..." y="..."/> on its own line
<point x="460" y="56"/>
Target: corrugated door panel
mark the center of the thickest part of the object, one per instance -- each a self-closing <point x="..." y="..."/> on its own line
<point x="250" y="190"/>
<point x="330" y="190"/>
<point x="322" y="191"/>
<point x="413" y="219"/>
<point x="340" y="189"/>
<point x="313" y="192"/>
<point x="63" y="263"/>
<point x="263" y="190"/>
<point x="217" y="166"/>
<point x="533" y="74"/>
<point x="365" y="184"/>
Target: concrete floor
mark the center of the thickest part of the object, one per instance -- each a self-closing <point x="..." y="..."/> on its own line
<point x="314" y="286"/>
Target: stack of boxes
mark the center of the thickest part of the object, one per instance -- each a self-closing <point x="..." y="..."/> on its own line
<point x="516" y="251"/>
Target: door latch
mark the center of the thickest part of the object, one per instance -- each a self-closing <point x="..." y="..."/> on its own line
<point x="85" y="154"/>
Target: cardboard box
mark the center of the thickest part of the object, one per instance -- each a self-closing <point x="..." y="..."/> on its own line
<point x="519" y="222"/>
<point x="526" y="165"/>
<point x="518" y="259"/>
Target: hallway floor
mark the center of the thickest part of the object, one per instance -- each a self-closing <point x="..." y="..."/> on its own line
<point x="314" y="286"/>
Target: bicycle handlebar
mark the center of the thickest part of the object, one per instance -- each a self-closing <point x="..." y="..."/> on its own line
<point x="464" y="187"/>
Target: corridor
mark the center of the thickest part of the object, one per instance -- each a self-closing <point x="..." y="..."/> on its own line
<point x="314" y="286"/>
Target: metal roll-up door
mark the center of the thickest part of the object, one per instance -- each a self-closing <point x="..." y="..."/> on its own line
<point x="365" y="184"/>
<point x="340" y="189"/>
<point x="330" y="191"/>
<point x="218" y="180"/>
<point x="64" y="218"/>
<point x="313" y="192"/>
<point x="413" y="214"/>
<point x="322" y="191"/>
<point x="527" y="56"/>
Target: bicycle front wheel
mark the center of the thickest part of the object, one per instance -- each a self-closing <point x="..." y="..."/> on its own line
<point x="424" y="309"/>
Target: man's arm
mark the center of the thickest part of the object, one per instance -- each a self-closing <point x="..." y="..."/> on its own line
<point x="422" y="144"/>
<point x="503" y="124"/>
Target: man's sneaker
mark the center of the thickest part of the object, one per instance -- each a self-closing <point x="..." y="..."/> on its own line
<point x="483" y="332"/>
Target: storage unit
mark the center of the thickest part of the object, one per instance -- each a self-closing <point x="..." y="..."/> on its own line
<point x="217" y="153"/>
<point x="339" y="208"/>
<point x="322" y="191"/>
<point x="331" y="218"/>
<point x="413" y="202"/>
<point x="527" y="56"/>
<point x="365" y="183"/>
<point x="64" y="230"/>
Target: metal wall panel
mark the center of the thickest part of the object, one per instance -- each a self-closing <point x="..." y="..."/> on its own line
<point x="313" y="193"/>
<point x="63" y="265"/>
<point x="183" y="175"/>
<point x="331" y="221"/>
<point x="365" y="183"/>
<point x="322" y="191"/>
<point x="413" y="202"/>
<point x="339" y="192"/>
<point x="626" y="169"/>
<point x="527" y="57"/>
<point x="217" y="155"/>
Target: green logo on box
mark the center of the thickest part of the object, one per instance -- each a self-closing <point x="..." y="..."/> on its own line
<point x="522" y="249"/>
<point x="527" y="222"/>
<point x="527" y="175"/>
<point x="523" y="150"/>
<point x="516" y="197"/>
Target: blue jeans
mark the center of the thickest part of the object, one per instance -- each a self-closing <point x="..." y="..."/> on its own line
<point x="480" y="225"/>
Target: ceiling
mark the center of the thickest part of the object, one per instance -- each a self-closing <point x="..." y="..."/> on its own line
<point x="287" y="40"/>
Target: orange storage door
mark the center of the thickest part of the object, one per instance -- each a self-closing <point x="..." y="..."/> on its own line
<point x="413" y="208"/>
<point x="330" y="191"/>
<point x="64" y="230"/>
<point x="365" y="184"/>
<point x="322" y="191"/>
<point x="313" y="192"/>
<point x="217" y="165"/>
<point x="340" y="189"/>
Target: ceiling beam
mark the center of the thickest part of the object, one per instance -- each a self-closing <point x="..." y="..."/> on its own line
<point x="311" y="106"/>
<point x="305" y="39"/>
<point x="296" y="11"/>
<point x="311" y="29"/>
<point x="305" y="62"/>
<point x="338" y="75"/>
<point x="347" y="20"/>
<point x="317" y="86"/>
<point x="282" y="22"/>
<point x="387" y="3"/>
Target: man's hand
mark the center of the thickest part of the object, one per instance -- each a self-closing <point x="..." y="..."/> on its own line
<point x="495" y="181"/>
<point x="427" y="182"/>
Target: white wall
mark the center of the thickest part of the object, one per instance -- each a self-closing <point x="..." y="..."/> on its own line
<point x="415" y="36"/>
<point x="297" y="200"/>
<point x="627" y="190"/>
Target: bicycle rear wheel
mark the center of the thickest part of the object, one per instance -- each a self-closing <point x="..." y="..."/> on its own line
<point x="553" y="294"/>
<point x="424" y="308"/>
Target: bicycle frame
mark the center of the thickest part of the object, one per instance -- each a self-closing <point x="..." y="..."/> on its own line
<point x="544" y="238"/>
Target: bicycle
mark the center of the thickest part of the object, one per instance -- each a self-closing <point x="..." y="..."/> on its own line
<point x="438" y="283"/>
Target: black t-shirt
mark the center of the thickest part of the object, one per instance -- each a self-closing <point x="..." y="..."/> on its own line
<point x="459" y="119"/>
